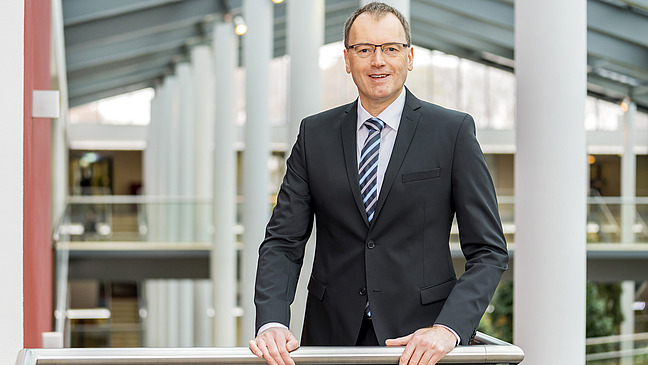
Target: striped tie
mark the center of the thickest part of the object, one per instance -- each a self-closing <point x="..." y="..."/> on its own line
<point x="369" y="165"/>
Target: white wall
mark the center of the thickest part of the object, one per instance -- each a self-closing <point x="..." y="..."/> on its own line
<point x="11" y="183"/>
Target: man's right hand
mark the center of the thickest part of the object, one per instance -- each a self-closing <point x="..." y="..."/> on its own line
<point x="274" y="345"/>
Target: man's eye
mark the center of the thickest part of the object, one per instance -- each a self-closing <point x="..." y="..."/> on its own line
<point x="391" y="49"/>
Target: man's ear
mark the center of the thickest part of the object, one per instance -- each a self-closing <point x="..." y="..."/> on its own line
<point x="347" y="66"/>
<point x="410" y="58"/>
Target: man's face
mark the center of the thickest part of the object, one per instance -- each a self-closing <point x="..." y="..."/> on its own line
<point x="379" y="78"/>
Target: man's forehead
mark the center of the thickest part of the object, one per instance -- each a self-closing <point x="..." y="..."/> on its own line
<point x="365" y="23"/>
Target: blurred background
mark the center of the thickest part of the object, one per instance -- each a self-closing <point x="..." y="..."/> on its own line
<point x="148" y="209"/>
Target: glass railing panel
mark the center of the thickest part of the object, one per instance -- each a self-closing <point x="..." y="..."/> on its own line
<point x="137" y="219"/>
<point x="608" y="217"/>
<point x="617" y="349"/>
<point x="178" y="220"/>
<point x="641" y="223"/>
<point x="605" y="220"/>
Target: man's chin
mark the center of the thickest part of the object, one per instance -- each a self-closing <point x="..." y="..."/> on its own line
<point x="381" y="96"/>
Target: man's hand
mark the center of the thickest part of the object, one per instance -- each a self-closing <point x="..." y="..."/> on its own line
<point x="425" y="346"/>
<point x="274" y="345"/>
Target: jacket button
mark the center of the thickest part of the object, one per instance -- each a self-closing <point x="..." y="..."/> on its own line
<point x="371" y="244"/>
<point x="362" y="291"/>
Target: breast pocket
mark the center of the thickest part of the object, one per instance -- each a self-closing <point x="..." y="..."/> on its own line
<point x="421" y="175"/>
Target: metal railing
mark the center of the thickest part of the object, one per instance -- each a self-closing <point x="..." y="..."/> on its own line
<point x="636" y="347"/>
<point x="92" y="219"/>
<point x="487" y="350"/>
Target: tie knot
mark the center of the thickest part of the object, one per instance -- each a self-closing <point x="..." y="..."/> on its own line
<point x="374" y="124"/>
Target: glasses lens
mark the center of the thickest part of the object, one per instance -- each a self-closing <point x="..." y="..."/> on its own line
<point x="392" y="49"/>
<point x="364" y="50"/>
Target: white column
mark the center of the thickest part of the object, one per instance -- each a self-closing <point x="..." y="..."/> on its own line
<point x="305" y="37"/>
<point x="152" y="316"/>
<point x="223" y="255"/>
<point x="257" y="54"/>
<point x="172" y="314"/>
<point x="11" y="185"/>
<point x="151" y="180"/>
<point x="59" y="166"/>
<point x="628" y="324"/>
<point x="202" y="175"/>
<point x="401" y="5"/>
<point x="201" y="56"/>
<point x="550" y="185"/>
<point x="172" y="107"/>
<point x="151" y="167"/>
<point x="162" y="308"/>
<point x="168" y="289"/>
<point x="204" y="313"/>
<point x="628" y="175"/>
<point x="186" y="142"/>
<point x="186" y="313"/>
<point x="628" y="217"/>
<point x="151" y="188"/>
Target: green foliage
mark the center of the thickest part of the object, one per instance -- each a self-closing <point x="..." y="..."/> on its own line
<point x="603" y="312"/>
<point x="499" y="322"/>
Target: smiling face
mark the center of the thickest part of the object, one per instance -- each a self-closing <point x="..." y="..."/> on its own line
<point x="379" y="78"/>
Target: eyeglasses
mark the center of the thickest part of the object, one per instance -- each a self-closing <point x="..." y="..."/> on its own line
<point x="364" y="50"/>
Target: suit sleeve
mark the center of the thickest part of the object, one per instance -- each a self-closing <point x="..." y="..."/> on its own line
<point x="282" y="251"/>
<point x="480" y="232"/>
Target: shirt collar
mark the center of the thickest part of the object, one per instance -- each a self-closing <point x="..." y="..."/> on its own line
<point x="391" y="115"/>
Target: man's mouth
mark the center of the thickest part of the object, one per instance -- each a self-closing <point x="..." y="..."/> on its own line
<point x="377" y="76"/>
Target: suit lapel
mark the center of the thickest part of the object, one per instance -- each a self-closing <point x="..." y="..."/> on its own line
<point x="409" y="122"/>
<point x="348" y="126"/>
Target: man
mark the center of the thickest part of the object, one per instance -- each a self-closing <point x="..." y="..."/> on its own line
<point x="383" y="177"/>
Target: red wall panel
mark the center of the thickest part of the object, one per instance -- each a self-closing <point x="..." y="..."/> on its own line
<point x="37" y="255"/>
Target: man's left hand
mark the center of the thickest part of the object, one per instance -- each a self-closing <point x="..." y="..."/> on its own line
<point x="425" y="346"/>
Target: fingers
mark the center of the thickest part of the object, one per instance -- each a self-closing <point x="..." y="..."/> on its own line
<point x="428" y="358"/>
<point x="400" y="341"/>
<point x="254" y="348"/>
<point x="278" y="353"/>
<point x="274" y="346"/>
<point x="424" y="347"/>
<point x="292" y="344"/>
<point x="407" y="355"/>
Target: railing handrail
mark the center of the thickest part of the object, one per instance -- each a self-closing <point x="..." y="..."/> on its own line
<point x="134" y="199"/>
<point x="634" y="337"/>
<point x="137" y="199"/>
<point x="475" y="354"/>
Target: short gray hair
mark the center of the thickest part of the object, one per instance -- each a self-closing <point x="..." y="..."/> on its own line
<point x="377" y="10"/>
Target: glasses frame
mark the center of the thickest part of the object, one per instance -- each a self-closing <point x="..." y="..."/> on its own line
<point x="375" y="47"/>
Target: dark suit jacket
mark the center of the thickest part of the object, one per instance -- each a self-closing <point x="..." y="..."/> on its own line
<point x="400" y="262"/>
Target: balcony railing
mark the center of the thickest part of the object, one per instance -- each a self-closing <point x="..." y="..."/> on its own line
<point x="185" y="220"/>
<point x="130" y="223"/>
<point x="486" y="350"/>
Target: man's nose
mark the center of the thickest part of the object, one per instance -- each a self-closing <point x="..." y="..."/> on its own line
<point x="378" y="57"/>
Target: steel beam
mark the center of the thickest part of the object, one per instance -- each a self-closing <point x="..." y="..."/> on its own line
<point x="81" y="11"/>
<point x="139" y="23"/>
<point x="617" y="22"/>
<point x="136" y="78"/>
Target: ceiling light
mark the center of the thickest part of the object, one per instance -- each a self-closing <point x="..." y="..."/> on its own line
<point x="624" y="104"/>
<point x="239" y="25"/>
